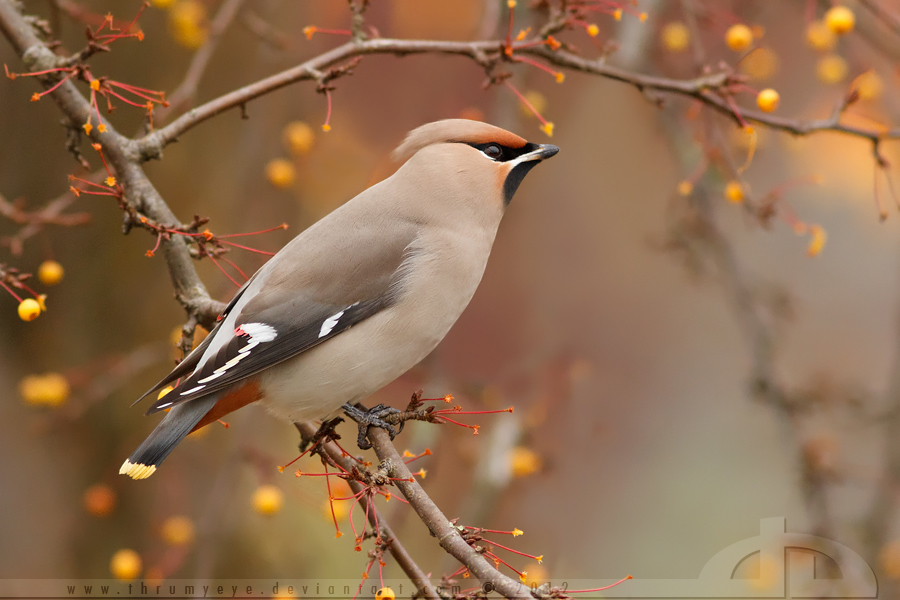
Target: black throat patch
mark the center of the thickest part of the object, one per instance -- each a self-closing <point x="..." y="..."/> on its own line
<point x="515" y="177"/>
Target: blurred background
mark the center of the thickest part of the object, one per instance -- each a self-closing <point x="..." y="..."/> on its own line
<point x="684" y="357"/>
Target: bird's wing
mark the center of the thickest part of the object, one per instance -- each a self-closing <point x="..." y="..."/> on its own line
<point x="300" y="299"/>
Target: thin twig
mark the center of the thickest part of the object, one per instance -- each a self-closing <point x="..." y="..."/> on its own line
<point x="184" y="94"/>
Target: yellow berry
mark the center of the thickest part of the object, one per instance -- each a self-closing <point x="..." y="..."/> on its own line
<point x="889" y="558"/>
<point x="537" y="100"/>
<point x="869" y="85"/>
<point x="734" y="191"/>
<point x="675" y="36"/>
<point x="99" y="500"/>
<point x="840" y="19"/>
<point x="593" y="30"/>
<point x="820" y="37"/>
<point x="187" y="23"/>
<point x="125" y="565"/>
<point x="538" y="574"/>
<point x="384" y="593"/>
<point x="51" y="389"/>
<point x="178" y="531"/>
<point x="50" y="272"/>
<point x="341" y="510"/>
<point x="760" y="64"/>
<point x="267" y="499"/>
<point x="280" y="173"/>
<point x="524" y="462"/>
<point x="29" y="309"/>
<point x="298" y="137"/>
<point x="739" y="37"/>
<point x="767" y="100"/>
<point x="831" y="69"/>
<point x="817" y="240"/>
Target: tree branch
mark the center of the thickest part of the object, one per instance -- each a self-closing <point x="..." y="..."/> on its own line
<point x="439" y="525"/>
<point x="140" y="193"/>
<point x="376" y="519"/>
<point x="710" y="89"/>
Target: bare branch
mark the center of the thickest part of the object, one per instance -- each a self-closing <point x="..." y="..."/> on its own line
<point x="439" y="525"/>
<point x="184" y="94"/>
<point x="376" y="519"/>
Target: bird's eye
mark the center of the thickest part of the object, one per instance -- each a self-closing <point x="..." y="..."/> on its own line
<point x="493" y="151"/>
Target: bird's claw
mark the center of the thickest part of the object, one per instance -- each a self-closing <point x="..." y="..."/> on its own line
<point x="374" y="417"/>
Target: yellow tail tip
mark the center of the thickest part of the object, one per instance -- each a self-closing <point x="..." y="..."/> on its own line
<point x="137" y="471"/>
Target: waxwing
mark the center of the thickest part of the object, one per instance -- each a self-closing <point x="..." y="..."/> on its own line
<point x="358" y="298"/>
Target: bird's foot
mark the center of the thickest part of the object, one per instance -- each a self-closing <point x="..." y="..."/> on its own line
<point x="375" y="417"/>
<point x="325" y="432"/>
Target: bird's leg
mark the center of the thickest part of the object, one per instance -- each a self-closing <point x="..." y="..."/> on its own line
<point x="374" y="416"/>
<point x="325" y="431"/>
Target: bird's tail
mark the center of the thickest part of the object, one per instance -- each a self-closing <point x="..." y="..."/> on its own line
<point x="177" y="423"/>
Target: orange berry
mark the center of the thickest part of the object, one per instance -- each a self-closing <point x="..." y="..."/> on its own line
<point x="869" y="85"/>
<point x="50" y="272"/>
<point x="51" y="389"/>
<point x="767" y="100"/>
<point x="675" y="36"/>
<point x="99" y="500"/>
<point x="820" y="37"/>
<point x="384" y="593"/>
<point x="281" y="173"/>
<point x="298" y="137"/>
<point x="817" y="241"/>
<point x="734" y="191"/>
<point x="178" y="531"/>
<point x="739" y="37"/>
<point x="187" y="23"/>
<point x="524" y="462"/>
<point x="831" y="69"/>
<point x="840" y="19"/>
<point x="889" y="557"/>
<point x="267" y="499"/>
<point x="29" y="309"/>
<point x="760" y="64"/>
<point x="593" y="30"/>
<point x="125" y="565"/>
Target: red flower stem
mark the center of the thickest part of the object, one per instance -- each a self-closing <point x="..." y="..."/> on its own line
<point x="236" y="268"/>
<point x="503" y="562"/>
<point x="224" y="272"/>
<point x="534" y="63"/>
<point x="513" y="551"/>
<point x="271" y="229"/>
<point x="249" y="249"/>
<point x="8" y="289"/>
<point x="525" y="102"/>
<point x="600" y="589"/>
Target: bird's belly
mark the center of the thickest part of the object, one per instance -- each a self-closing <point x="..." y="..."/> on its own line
<point x="361" y="360"/>
<point x="347" y="368"/>
<point x="368" y="356"/>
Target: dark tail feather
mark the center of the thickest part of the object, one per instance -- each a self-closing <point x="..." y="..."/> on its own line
<point x="177" y="423"/>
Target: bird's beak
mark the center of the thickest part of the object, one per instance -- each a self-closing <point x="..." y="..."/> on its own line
<point x="542" y="152"/>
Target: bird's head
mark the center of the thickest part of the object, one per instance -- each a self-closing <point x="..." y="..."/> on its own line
<point x="472" y="157"/>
